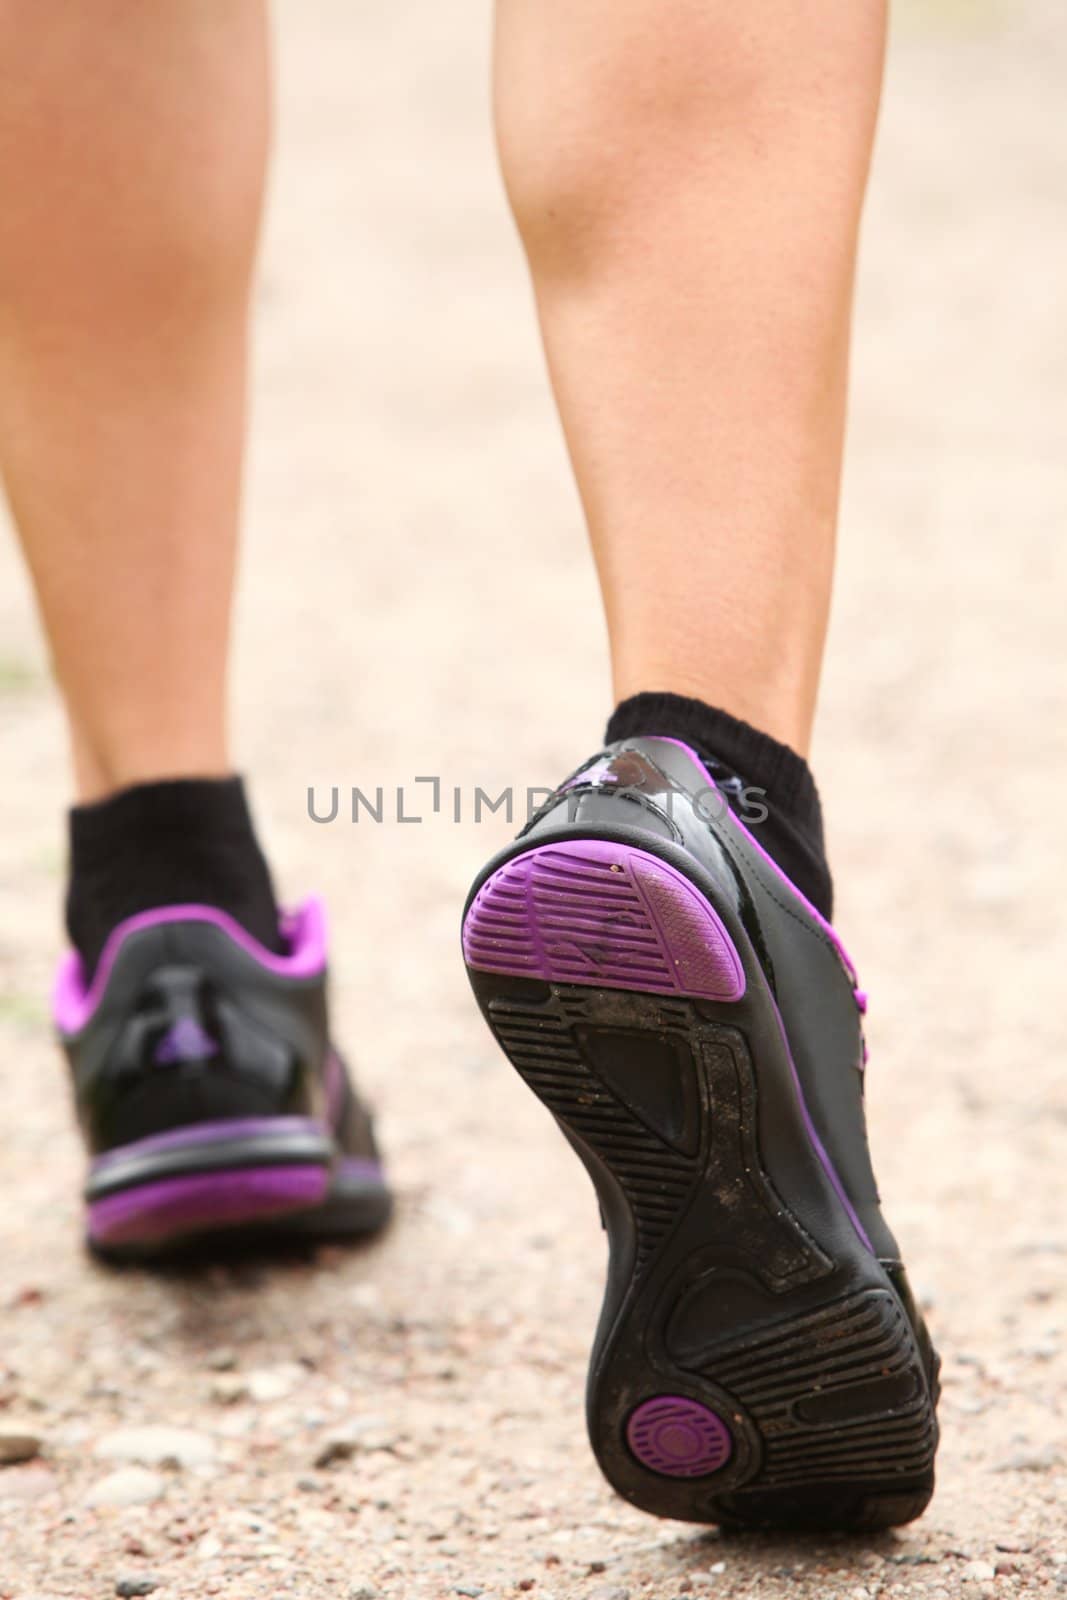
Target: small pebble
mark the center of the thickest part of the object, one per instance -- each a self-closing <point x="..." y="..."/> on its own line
<point x="1037" y="1460"/>
<point x="138" y="1584"/>
<point x="1043" y="1349"/>
<point x="273" y="1383"/>
<point x="339" y="1448"/>
<point x="229" y="1388"/>
<point x="129" y="1486"/>
<point x="361" y="1433"/>
<point x="978" y="1572"/>
<point x="17" y="1443"/>
<point x="28" y="1295"/>
<point x="157" y="1445"/>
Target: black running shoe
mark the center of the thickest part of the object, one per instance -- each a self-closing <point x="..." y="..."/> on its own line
<point x="694" y="1026"/>
<point x="212" y="1102"/>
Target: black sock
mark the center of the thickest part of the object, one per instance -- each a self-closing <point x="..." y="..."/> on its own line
<point x="792" y="831"/>
<point x="187" y="840"/>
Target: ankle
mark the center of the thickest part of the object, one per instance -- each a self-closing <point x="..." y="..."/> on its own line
<point x="106" y="767"/>
<point x="176" y="841"/>
<point x="792" y="831"/>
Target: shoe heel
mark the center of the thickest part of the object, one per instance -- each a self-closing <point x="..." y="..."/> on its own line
<point x="744" y="1371"/>
<point x="163" y="1191"/>
<point x="596" y="912"/>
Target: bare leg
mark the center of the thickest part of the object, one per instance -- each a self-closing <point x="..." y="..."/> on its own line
<point x="133" y="143"/>
<point x="688" y="187"/>
<point x="688" y="178"/>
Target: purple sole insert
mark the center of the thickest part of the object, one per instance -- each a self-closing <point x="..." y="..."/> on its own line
<point x="594" y="912"/>
<point x="154" y="1212"/>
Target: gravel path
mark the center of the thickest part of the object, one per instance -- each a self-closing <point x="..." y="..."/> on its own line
<point x="406" y="1421"/>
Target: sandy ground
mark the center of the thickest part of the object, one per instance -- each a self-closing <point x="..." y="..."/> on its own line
<point x="417" y="601"/>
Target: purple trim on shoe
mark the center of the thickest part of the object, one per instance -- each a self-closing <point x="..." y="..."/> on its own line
<point x="817" y="916"/>
<point x="197" y="1133"/>
<point x="601" y="772"/>
<point x="73" y="1003"/>
<point x="361" y="1167"/>
<point x="860" y="995"/>
<point x="816" y="1143"/>
<point x="813" y="1135"/>
<point x="186" y="1040"/>
<point x="173" y="1206"/>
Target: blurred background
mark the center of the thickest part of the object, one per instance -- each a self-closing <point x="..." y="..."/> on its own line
<point x="417" y="601"/>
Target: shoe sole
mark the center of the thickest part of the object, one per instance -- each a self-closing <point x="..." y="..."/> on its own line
<point x="232" y="1181"/>
<point x="753" y="1364"/>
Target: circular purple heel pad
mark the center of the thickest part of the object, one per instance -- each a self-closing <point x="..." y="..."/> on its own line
<point x="679" y="1438"/>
